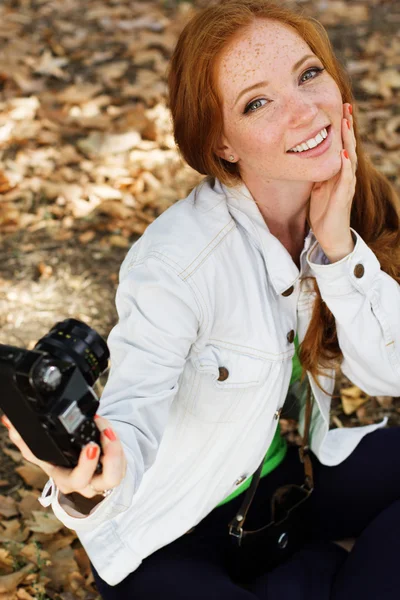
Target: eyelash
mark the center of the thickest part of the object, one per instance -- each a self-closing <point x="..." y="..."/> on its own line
<point x="317" y="69"/>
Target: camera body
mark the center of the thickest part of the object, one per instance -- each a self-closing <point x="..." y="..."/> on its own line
<point x="47" y="392"/>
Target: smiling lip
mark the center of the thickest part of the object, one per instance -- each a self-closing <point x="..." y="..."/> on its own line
<point x="320" y="149"/>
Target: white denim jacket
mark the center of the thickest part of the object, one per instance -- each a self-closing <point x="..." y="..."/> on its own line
<point x="208" y="286"/>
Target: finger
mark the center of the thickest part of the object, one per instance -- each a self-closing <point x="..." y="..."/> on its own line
<point x="113" y="459"/>
<point x="347" y="180"/>
<point x="77" y="479"/>
<point x="348" y="113"/>
<point x="348" y="143"/>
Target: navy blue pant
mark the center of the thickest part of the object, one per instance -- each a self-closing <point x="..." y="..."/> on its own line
<point x="358" y="498"/>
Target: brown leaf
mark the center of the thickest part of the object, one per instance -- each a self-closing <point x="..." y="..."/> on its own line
<point x="15" y="455"/>
<point x="63" y="539"/>
<point x="8" y="583"/>
<point x="102" y="144"/>
<point x="22" y="594"/>
<point x="83" y="561"/>
<point x="385" y="401"/>
<point x="35" y="555"/>
<point x="118" y="241"/>
<point x="6" y="559"/>
<point x="8" y="507"/>
<point x="44" y="522"/>
<point x="45" y="271"/>
<point x="352" y="398"/>
<point x="12" y="531"/>
<point x="5" y="185"/>
<point x="63" y="565"/>
<point x="87" y="236"/>
<point x="9" y="215"/>
<point x="50" y="65"/>
<point x="32" y="475"/>
<point x="29" y="502"/>
<point x="114" y="209"/>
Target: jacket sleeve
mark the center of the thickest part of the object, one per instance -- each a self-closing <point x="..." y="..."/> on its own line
<point x="365" y="302"/>
<point x="159" y="319"/>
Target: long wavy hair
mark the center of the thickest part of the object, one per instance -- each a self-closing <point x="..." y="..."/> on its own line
<point x="198" y="125"/>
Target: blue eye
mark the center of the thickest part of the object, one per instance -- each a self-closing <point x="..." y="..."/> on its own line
<point x="254" y="105"/>
<point x="318" y="70"/>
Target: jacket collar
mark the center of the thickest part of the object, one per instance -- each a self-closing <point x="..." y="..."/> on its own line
<point x="281" y="269"/>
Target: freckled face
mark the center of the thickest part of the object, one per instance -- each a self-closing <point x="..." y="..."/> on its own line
<point x="284" y="109"/>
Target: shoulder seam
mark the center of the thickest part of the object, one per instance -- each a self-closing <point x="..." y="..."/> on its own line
<point x="177" y="269"/>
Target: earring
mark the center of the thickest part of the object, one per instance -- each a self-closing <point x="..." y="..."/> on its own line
<point x="231" y="158"/>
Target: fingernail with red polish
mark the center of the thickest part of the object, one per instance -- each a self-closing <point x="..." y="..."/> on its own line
<point x="348" y="123"/>
<point x="96" y="416"/>
<point x="5" y="422"/>
<point x="350" y="109"/>
<point x="110" y="434"/>
<point x="91" y="452"/>
<point x="346" y="153"/>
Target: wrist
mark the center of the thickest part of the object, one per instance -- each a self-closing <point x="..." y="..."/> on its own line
<point x="338" y="253"/>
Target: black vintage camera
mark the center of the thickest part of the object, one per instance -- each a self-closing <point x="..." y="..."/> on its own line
<point x="47" y="392"/>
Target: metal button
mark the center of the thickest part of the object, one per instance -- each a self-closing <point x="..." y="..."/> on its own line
<point x="283" y="541"/>
<point x="277" y="413"/>
<point x="289" y="291"/>
<point x="359" y="270"/>
<point x="290" y="336"/>
<point x="223" y="374"/>
<point x="240" y="479"/>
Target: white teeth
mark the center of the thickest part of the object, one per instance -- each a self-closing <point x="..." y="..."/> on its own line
<point x="312" y="143"/>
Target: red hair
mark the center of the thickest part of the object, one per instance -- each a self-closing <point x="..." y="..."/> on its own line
<point x="196" y="109"/>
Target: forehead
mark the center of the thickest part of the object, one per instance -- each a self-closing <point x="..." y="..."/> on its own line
<point x="263" y="44"/>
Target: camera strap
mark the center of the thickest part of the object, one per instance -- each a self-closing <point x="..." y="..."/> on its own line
<point x="236" y="525"/>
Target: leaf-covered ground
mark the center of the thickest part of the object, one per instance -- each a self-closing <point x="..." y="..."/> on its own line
<point x="87" y="161"/>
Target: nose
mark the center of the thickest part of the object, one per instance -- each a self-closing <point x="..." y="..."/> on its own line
<point x="302" y="110"/>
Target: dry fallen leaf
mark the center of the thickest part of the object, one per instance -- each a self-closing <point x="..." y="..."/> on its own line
<point x="8" y="507"/>
<point x="6" y="559"/>
<point x="352" y="398"/>
<point x="45" y="271"/>
<point x="8" y="583"/>
<point x="12" y="531"/>
<point x="35" y="555"/>
<point x="22" y="594"/>
<point x="63" y="566"/>
<point x="15" y="455"/>
<point x="87" y="236"/>
<point x="44" y="522"/>
<point x="32" y="475"/>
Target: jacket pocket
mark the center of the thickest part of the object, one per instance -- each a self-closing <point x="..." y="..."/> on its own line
<point x="226" y="381"/>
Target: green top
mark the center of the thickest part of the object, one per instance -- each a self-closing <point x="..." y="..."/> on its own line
<point x="277" y="450"/>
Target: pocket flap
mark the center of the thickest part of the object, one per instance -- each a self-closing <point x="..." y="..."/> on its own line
<point x="231" y="369"/>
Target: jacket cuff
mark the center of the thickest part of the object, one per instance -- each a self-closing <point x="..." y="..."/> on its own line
<point x="354" y="272"/>
<point x="115" y="503"/>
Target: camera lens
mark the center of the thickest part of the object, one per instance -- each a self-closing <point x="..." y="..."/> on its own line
<point x="74" y="341"/>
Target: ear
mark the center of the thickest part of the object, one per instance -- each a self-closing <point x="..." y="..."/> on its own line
<point x="223" y="149"/>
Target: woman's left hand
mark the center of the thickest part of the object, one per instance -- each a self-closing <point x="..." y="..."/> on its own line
<point x="331" y="200"/>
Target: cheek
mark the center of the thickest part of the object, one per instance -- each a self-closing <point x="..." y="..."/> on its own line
<point x="256" y="136"/>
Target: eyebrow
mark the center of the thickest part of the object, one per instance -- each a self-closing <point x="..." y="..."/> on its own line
<point x="260" y="83"/>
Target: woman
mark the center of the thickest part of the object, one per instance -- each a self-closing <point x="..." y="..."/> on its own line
<point x="293" y="231"/>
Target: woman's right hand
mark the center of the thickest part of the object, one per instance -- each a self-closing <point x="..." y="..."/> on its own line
<point x="82" y="477"/>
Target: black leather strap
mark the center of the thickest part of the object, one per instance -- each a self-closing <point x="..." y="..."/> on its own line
<point x="236" y="525"/>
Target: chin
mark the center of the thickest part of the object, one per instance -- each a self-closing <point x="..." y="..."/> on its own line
<point x="329" y="170"/>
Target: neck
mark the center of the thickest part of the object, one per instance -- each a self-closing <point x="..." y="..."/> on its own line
<point x="284" y="209"/>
